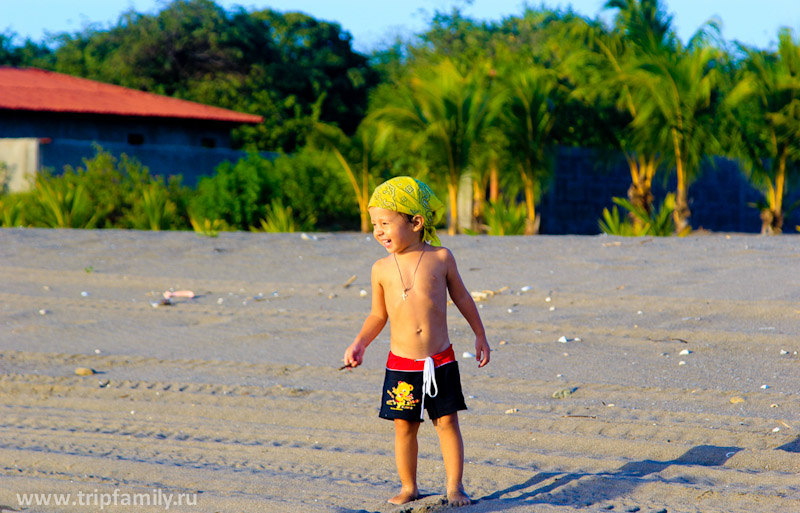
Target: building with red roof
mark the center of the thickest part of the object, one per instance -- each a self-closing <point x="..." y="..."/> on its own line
<point x="66" y="116"/>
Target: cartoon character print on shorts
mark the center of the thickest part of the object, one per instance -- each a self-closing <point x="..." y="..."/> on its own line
<point x="401" y="397"/>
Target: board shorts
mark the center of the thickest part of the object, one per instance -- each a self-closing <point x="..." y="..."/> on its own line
<point x="412" y="386"/>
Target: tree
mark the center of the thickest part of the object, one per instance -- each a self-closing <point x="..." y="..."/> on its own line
<point x="767" y="104"/>
<point x="642" y="31"/>
<point x="446" y="111"/>
<point x="671" y="90"/>
<point x="29" y="54"/>
<point x="645" y="24"/>
<point x="679" y="101"/>
<point x="278" y="65"/>
<point x="528" y="118"/>
<point x="598" y="68"/>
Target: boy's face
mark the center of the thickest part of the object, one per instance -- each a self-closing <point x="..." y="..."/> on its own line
<point x="393" y="230"/>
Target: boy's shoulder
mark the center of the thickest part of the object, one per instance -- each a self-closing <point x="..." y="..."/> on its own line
<point x="381" y="263"/>
<point x="441" y="252"/>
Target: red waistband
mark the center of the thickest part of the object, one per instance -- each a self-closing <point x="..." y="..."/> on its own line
<point x="395" y="362"/>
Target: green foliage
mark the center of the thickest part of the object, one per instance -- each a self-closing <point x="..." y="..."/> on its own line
<point x="279" y="218"/>
<point x="207" y="227"/>
<point x="631" y="86"/>
<point x="505" y="218"/>
<point x="357" y="155"/>
<point x="154" y="211"/>
<point x="237" y="192"/>
<point x="105" y="193"/>
<point x="444" y="112"/>
<point x="655" y="224"/>
<point x="311" y="183"/>
<point x="766" y="109"/>
<point x="13" y="208"/>
<point x="28" y="54"/>
<point x="64" y="204"/>
<point x="613" y="224"/>
<point x="125" y="193"/>
<point x="315" y="186"/>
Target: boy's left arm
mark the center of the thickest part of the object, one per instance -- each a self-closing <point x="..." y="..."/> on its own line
<point x="463" y="301"/>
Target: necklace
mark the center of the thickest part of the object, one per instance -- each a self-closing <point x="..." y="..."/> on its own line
<point x="413" y="277"/>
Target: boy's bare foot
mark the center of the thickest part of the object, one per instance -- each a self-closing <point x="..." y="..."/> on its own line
<point x="458" y="498"/>
<point x="405" y="496"/>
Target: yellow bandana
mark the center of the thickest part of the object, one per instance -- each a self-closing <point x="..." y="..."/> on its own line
<point x="410" y="196"/>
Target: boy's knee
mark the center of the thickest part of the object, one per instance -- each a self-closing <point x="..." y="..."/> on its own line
<point x="446" y="422"/>
<point x="405" y="427"/>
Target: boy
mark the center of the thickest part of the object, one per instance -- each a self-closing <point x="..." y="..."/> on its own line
<point x="409" y="288"/>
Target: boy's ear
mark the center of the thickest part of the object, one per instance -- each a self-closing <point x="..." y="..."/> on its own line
<point x="419" y="222"/>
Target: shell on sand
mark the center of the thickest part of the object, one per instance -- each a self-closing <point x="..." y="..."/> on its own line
<point x="84" y="371"/>
<point x="564" y="393"/>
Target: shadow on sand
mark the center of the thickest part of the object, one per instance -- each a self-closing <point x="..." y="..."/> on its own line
<point x="793" y="446"/>
<point x="594" y="488"/>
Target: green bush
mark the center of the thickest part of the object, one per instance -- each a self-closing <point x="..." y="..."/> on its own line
<point x="13" y="210"/>
<point x="64" y="203"/>
<point x="208" y="227"/>
<point x="613" y="224"/>
<point x="505" y="218"/>
<point x="151" y="208"/>
<point x="236" y="194"/>
<point x="304" y="191"/>
<point x="106" y="192"/>
<point x="655" y="224"/>
<point x="314" y="185"/>
<point x="281" y="219"/>
<point x="310" y="183"/>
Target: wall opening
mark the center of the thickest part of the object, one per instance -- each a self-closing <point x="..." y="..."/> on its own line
<point x="136" y="139"/>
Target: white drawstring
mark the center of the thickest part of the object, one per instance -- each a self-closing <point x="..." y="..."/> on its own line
<point x="428" y="380"/>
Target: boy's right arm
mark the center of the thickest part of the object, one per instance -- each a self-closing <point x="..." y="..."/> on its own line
<point x="373" y="325"/>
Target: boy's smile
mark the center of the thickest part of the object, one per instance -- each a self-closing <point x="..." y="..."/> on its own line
<point x="393" y="230"/>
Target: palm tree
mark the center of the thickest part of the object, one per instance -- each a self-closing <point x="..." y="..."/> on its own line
<point x="598" y="69"/>
<point x="671" y="92"/>
<point x="679" y="97"/>
<point x="600" y="66"/>
<point x="485" y="170"/>
<point x="643" y="29"/>
<point x="644" y="23"/>
<point x="767" y="102"/>
<point x="446" y="111"/>
<point x="528" y="119"/>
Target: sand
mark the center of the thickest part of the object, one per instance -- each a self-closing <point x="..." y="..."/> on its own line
<point x="234" y="398"/>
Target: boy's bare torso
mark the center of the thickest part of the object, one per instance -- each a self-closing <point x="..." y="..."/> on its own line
<point x="418" y="322"/>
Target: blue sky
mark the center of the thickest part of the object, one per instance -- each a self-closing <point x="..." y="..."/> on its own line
<point x="754" y="22"/>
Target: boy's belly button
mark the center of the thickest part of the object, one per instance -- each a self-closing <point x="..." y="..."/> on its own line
<point x="419" y="330"/>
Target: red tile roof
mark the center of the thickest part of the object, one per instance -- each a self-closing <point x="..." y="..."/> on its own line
<point x="46" y="91"/>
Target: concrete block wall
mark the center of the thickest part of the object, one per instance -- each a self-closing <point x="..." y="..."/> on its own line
<point x="584" y="184"/>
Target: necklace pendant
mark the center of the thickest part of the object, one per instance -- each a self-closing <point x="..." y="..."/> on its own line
<point x="404" y="295"/>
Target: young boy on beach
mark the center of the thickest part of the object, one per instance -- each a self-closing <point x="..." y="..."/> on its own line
<point x="409" y="289"/>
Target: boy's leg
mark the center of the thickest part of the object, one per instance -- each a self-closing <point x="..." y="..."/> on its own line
<point x="453" y="454"/>
<point x="405" y="455"/>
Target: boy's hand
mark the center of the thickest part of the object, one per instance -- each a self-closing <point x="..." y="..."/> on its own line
<point x="354" y="355"/>
<point x="482" y="351"/>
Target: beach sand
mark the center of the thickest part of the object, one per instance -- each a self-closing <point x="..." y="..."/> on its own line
<point x="234" y="397"/>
